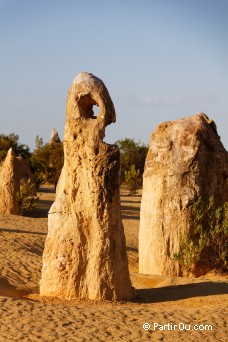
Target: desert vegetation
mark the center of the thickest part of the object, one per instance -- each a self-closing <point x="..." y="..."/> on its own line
<point x="26" y="196"/>
<point x="12" y="141"/>
<point x="206" y="244"/>
<point x="46" y="162"/>
<point x="132" y="160"/>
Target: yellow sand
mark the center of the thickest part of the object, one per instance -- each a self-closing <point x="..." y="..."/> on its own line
<point x="24" y="316"/>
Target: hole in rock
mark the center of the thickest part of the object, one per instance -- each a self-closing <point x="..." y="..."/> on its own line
<point x="96" y="110"/>
<point x="88" y="107"/>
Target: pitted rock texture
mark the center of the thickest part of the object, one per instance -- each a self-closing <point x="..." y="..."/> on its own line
<point x="186" y="159"/>
<point x="12" y="170"/>
<point x="85" y="251"/>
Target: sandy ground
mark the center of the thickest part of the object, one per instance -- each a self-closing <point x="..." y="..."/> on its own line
<point x="190" y="304"/>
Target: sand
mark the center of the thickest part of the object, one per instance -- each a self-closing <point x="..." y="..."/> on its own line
<point x="162" y="302"/>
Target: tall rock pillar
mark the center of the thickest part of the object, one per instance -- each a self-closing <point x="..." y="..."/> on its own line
<point x="12" y="171"/>
<point x="85" y="251"/>
<point x="186" y="160"/>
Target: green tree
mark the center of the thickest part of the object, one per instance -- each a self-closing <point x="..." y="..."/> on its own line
<point x="131" y="153"/>
<point x="12" y="141"/>
<point x="47" y="162"/>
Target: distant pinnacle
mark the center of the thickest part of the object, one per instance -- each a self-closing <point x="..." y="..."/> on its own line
<point x="54" y="137"/>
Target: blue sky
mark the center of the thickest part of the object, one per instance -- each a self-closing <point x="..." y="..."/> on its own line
<point x="161" y="60"/>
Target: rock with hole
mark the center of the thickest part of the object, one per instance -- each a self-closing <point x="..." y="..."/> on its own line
<point x="85" y="251"/>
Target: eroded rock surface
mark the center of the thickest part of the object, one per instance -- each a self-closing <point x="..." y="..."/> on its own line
<point x="186" y="159"/>
<point x="85" y="252"/>
<point x="12" y="170"/>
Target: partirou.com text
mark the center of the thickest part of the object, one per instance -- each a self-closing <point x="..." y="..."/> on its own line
<point x="179" y="326"/>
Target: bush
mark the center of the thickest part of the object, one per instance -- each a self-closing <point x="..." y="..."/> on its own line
<point x="206" y="245"/>
<point x="132" y="180"/>
<point x="132" y="153"/>
<point x="26" y="196"/>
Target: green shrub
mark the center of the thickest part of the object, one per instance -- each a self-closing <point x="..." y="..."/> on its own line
<point x="131" y="153"/>
<point x="26" y="196"/>
<point x="132" y="180"/>
<point x="206" y="245"/>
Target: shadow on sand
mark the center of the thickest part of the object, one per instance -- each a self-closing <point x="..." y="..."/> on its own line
<point x="41" y="211"/>
<point x="125" y="207"/>
<point x="129" y="217"/>
<point x="135" y="202"/>
<point x="43" y="206"/>
<point x="171" y="293"/>
<point x="132" y="249"/>
<point x="47" y="189"/>
<point x="8" y="290"/>
<point x="8" y="230"/>
<point x="154" y="295"/>
<point x="128" y="212"/>
<point x="127" y="195"/>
